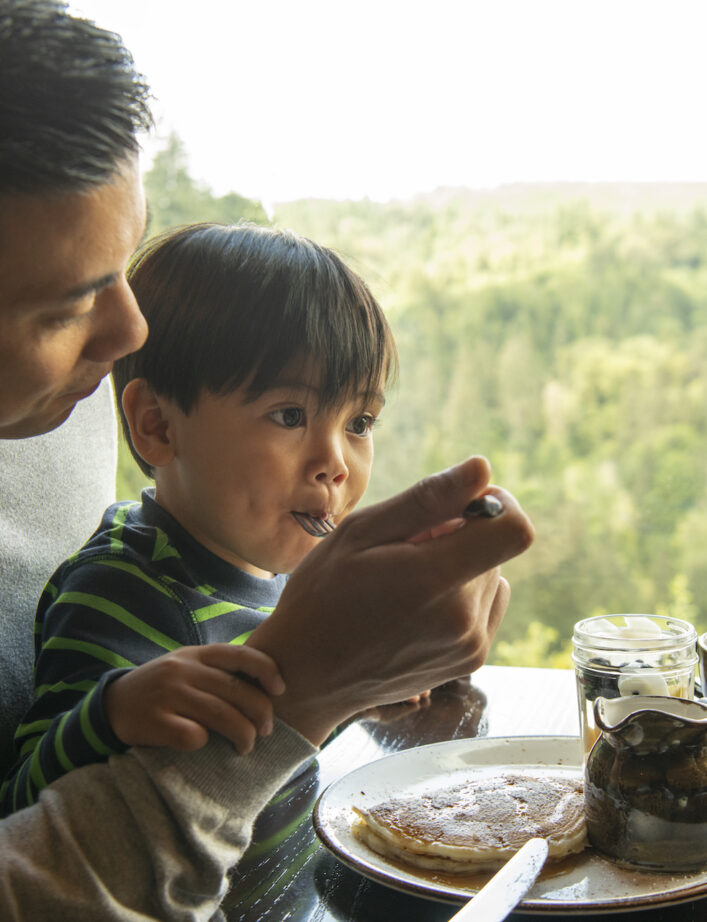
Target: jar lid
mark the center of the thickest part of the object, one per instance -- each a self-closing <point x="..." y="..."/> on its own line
<point x="633" y="632"/>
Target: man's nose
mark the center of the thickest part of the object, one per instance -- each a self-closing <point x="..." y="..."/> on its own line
<point x="120" y="325"/>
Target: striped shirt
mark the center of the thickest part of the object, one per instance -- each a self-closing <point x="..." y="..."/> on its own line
<point x="140" y="587"/>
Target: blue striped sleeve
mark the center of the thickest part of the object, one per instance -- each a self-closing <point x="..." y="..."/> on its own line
<point x="104" y="616"/>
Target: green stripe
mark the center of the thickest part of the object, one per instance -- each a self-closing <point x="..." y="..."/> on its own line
<point x="37" y="726"/>
<point x="35" y="771"/>
<point x="51" y="590"/>
<point x="267" y="845"/>
<point x="116" y="531"/>
<point x="28" y="746"/>
<point x="284" y="793"/>
<point x="163" y="548"/>
<point x="134" y="570"/>
<point x="106" y="607"/>
<point x="257" y="893"/>
<point x="88" y="731"/>
<point x="90" y="649"/>
<point x="216" y="609"/>
<point x="85" y="685"/>
<point x="65" y="761"/>
<point x="241" y="639"/>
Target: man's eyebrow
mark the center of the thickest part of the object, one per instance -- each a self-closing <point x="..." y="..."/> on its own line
<point x="80" y="291"/>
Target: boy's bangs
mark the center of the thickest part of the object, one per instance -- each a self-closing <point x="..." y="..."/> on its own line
<point x="330" y="320"/>
<point x="356" y="358"/>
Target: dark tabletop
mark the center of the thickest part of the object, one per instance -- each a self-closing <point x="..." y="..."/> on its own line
<point x="287" y="874"/>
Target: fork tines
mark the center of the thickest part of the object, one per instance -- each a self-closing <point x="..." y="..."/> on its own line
<point x="314" y="525"/>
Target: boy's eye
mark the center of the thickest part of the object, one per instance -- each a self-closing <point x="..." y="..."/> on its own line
<point x="290" y="417"/>
<point x="362" y="425"/>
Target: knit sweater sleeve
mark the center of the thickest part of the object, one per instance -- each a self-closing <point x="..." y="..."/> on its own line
<point x="149" y="834"/>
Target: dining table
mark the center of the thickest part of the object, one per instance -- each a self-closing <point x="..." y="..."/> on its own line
<point x="288" y="873"/>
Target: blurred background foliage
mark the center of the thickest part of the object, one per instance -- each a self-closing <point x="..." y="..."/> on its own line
<point x="559" y="330"/>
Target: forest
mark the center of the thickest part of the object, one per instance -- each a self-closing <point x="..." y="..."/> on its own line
<point x="560" y="330"/>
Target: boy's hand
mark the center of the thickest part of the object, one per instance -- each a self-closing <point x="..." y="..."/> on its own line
<point x="176" y="699"/>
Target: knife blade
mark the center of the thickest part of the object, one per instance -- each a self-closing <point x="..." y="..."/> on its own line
<point x="507" y="887"/>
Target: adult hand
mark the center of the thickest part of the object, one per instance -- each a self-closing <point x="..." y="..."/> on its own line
<point x="370" y="617"/>
<point x="176" y="698"/>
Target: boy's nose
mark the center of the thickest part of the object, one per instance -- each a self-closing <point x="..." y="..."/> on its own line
<point x="338" y="476"/>
<point x="328" y="464"/>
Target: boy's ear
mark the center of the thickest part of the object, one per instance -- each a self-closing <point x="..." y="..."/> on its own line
<point x="148" y="424"/>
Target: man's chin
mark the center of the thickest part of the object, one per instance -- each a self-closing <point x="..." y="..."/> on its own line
<point x="32" y="426"/>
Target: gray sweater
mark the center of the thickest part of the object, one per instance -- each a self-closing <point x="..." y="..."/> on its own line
<point x="152" y="833"/>
<point x="53" y="491"/>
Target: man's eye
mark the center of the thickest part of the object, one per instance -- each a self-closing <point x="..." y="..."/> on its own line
<point x="362" y="425"/>
<point x="80" y="310"/>
<point x="290" y="417"/>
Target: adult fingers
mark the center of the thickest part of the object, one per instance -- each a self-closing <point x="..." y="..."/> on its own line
<point x="427" y="504"/>
<point x="487" y="605"/>
<point x="478" y="546"/>
<point x="499" y="606"/>
<point x="441" y="565"/>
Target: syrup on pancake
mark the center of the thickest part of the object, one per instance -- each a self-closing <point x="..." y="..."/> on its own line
<point x="478" y="824"/>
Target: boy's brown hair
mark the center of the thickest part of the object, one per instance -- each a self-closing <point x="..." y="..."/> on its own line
<point x="230" y="305"/>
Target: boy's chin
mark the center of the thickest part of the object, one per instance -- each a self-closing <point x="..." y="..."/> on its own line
<point x="290" y="563"/>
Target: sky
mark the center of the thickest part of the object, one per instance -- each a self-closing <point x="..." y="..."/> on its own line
<point x="383" y="99"/>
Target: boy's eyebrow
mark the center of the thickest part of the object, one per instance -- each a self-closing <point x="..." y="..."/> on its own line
<point x="301" y="386"/>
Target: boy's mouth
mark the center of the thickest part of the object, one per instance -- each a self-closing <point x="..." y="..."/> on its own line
<point x="316" y="525"/>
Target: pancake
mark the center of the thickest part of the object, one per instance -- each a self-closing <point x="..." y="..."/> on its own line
<point x="479" y="824"/>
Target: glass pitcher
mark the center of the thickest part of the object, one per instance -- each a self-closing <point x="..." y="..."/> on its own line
<point x="646" y="782"/>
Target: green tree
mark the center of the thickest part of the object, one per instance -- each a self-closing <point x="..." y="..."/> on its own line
<point x="175" y="198"/>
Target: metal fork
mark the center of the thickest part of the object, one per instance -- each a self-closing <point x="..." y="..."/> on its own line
<point x="487" y="507"/>
<point x="313" y="525"/>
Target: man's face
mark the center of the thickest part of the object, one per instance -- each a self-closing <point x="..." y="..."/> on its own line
<point x="66" y="310"/>
<point x="242" y="467"/>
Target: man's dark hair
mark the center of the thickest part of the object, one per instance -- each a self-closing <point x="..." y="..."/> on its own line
<point x="71" y="102"/>
<point x="229" y="306"/>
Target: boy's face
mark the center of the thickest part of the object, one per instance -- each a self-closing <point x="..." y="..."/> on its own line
<point x="66" y="310"/>
<point x="241" y="468"/>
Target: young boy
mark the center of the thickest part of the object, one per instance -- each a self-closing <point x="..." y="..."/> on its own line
<point x="252" y="405"/>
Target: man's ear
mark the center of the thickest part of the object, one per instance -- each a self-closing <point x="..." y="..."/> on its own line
<point x="147" y="419"/>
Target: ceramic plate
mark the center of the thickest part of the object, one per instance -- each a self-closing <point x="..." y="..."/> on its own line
<point x="579" y="884"/>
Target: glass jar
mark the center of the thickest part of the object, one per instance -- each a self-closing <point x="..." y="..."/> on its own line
<point x="619" y="655"/>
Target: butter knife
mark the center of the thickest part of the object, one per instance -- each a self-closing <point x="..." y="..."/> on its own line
<point x="507" y="887"/>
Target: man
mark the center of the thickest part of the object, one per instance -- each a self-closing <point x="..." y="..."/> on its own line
<point x="152" y="833"/>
